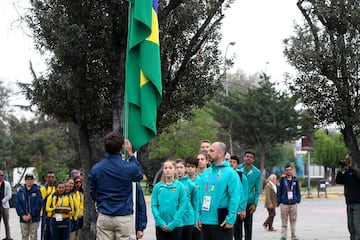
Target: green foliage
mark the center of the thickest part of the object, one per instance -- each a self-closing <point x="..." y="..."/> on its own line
<point x="77" y="87"/>
<point x="42" y="144"/>
<point x="329" y="149"/>
<point x="181" y="140"/>
<point x="4" y="98"/>
<point x="325" y="52"/>
<point x="259" y="116"/>
<point x="327" y="59"/>
<point x="86" y="42"/>
<point x="278" y="155"/>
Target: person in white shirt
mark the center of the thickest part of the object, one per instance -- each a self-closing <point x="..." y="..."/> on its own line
<point x="5" y="193"/>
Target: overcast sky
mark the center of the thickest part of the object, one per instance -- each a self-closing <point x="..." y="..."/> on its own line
<point x="16" y="49"/>
<point x="257" y="26"/>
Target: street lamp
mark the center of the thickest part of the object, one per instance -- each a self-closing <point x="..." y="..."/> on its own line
<point x="225" y="76"/>
<point x="227" y="94"/>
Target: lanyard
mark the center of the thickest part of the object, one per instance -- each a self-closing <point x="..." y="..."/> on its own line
<point x="215" y="179"/>
<point x="287" y="185"/>
<point x="61" y="201"/>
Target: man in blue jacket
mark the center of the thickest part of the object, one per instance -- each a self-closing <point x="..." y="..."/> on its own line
<point x="219" y="196"/>
<point x="111" y="189"/>
<point x="28" y="205"/>
<point x="288" y="195"/>
<point x="141" y="216"/>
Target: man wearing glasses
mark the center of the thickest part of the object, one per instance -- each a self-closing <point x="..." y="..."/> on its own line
<point x="5" y="194"/>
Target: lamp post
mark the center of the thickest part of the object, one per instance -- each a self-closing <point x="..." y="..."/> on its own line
<point x="227" y="94"/>
<point x="225" y="75"/>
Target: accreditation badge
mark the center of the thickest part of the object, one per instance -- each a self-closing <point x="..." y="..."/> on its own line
<point x="290" y="195"/>
<point x="58" y="217"/>
<point x="206" y="203"/>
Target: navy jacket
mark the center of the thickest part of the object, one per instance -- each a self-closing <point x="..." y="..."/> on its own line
<point x="29" y="202"/>
<point x="286" y="186"/>
<point x="141" y="217"/>
<point x="111" y="184"/>
<point x="351" y="182"/>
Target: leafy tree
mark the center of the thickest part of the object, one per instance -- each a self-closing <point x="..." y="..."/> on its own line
<point x="181" y="140"/>
<point x="278" y="155"/>
<point x="259" y="117"/>
<point x="4" y="99"/>
<point x="84" y="84"/>
<point x="328" y="150"/>
<point x="325" y="52"/>
<point x="39" y="144"/>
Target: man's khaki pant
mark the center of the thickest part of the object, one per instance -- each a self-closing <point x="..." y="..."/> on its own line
<point x="29" y="230"/>
<point x="288" y="212"/>
<point x="114" y="227"/>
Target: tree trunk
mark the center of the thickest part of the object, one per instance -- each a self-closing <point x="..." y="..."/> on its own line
<point x="352" y="146"/>
<point x="87" y="160"/>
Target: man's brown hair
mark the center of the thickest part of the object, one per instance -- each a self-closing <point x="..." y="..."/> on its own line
<point x="114" y="142"/>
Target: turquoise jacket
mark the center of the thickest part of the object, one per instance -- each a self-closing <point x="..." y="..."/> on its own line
<point x="196" y="182"/>
<point x="168" y="203"/>
<point x="254" y="183"/>
<point x="191" y="201"/>
<point x="245" y="191"/>
<point x="220" y="183"/>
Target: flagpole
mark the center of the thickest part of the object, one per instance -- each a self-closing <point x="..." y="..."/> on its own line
<point x="126" y="130"/>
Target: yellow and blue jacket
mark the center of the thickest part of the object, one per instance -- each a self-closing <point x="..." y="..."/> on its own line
<point x="64" y="200"/>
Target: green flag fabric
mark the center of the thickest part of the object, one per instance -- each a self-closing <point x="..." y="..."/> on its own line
<point x="143" y="87"/>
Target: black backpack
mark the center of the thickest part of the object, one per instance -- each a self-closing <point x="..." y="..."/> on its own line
<point x="240" y="175"/>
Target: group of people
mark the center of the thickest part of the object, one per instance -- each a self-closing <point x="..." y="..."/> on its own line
<point x="210" y="196"/>
<point x="57" y="206"/>
<point x="214" y="196"/>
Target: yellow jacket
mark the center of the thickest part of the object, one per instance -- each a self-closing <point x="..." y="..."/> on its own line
<point x="54" y="201"/>
<point x="79" y="197"/>
<point x="46" y="191"/>
<point x="75" y="213"/>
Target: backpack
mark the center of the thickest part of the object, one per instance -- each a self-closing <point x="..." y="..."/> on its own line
<point x="240" y="175"/>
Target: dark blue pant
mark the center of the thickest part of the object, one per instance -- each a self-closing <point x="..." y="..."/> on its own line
<point x="215" y="232"/>
<point x="45" y="227"/>
<point x="62" y="233"/>
<point x="247" y="224"/>
<point x="173" y="235"/>
<point x="197" y="235"/>
<point x="186" y="232"/>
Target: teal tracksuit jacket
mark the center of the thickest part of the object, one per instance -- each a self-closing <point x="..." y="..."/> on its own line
<point x="220" y="183"/>
<point x="243" y="192"/>
<point x="254" y="183"/>
<point x="168" y="203"/>
<point x="196" y="182"/>
<point x="191" y="201"/>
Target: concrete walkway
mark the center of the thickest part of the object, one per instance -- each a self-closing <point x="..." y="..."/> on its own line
<point x="319" y="218"/>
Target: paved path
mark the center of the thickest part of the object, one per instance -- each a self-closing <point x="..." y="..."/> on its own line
<point x="318" y="219"/>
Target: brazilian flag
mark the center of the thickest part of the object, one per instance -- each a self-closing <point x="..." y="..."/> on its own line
<point x="143" y="88"/>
